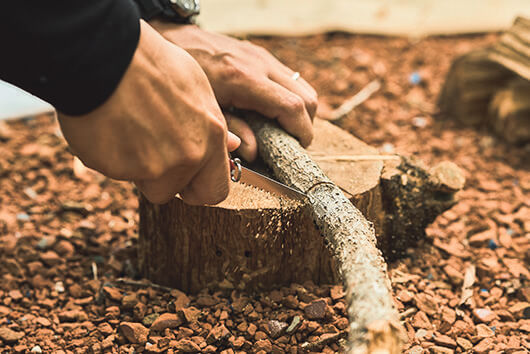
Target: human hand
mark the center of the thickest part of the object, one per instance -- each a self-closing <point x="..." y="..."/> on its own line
<point x="162" y="128"/>
<point x="246" y="76"/>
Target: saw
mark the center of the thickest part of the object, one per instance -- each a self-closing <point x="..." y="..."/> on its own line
<point x="239" y="173"/>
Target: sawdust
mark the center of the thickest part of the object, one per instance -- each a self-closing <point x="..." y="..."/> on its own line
<point x="242" y="197"/>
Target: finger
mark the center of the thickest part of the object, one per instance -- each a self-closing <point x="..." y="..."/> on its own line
<point x="299" y="87"/>
<point x="164" y="188"/>
<point x="249" y="146"/>
<point x="275" y="101"/>
<point x="211" y="184"/>
<point x="233" y="141"/>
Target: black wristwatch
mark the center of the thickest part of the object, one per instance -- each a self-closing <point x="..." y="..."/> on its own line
<point x="179" y="11"/>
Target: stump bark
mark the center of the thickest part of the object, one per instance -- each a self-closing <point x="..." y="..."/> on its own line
<point x="491" y="86"/>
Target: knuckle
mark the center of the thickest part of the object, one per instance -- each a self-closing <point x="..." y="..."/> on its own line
<point x="295" y="104"/>
<point x="217" y="130"/>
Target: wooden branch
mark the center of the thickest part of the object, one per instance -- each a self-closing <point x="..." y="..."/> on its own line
<point x="374" y="322"/>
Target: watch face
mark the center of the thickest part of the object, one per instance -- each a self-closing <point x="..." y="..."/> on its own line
<point x="187" y="7"/>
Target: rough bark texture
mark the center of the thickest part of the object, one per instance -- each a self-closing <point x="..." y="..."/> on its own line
<point x="351" y="240"/>
<point x="493" y="77"/>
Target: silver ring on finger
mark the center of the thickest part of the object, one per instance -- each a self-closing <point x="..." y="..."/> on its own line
<point x="295" y="76"/>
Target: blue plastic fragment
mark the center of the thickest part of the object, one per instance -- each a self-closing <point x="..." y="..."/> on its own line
<point x="492" y="245"/>
<point x="415" y="78"/>
<point x="22" y="217"/>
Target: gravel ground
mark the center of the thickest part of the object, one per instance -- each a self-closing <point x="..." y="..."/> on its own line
<point x="68" y="235"/>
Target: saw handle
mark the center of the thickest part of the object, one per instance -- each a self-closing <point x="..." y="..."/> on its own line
<point x="235" y="169"/>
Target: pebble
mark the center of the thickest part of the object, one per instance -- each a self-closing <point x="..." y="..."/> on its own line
<point x="36" y="349"/>
<point x="484" y="315"/>
<point x="135" y="333"/>
<point x="295" y="324"/>
<point x="166" y="320"/>
<point x="185" y="346"/>
<point x="217" y="334"/>
<point x="483" y="331"/>
<point x="112" y="293"/>
<point x="190" y="314"/>
<point x="316" y="310"/>
<point x="276" y="328"/>
<point x="9" y="336"/>
<point x="337" y="292"/>
<point x="445" y="341"/>
<point x="464" y="343"/>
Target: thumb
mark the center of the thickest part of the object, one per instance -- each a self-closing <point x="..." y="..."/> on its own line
<point x="233" y="141"/>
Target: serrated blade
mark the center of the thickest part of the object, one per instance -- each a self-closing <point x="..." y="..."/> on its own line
<point x="268" y="184"/>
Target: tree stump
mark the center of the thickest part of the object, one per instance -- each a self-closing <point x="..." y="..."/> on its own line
<point x="491" y="86"/>
<point x="255" y="240"/>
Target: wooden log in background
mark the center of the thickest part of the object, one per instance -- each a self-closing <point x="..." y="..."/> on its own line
<point x="490" y="86"/>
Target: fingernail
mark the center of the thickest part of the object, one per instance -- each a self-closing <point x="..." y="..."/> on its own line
<point x="232" y="136"/>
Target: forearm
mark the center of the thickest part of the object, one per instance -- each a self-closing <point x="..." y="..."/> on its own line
<point x="72" y="54"/>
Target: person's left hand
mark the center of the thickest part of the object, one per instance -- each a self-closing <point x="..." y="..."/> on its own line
<point x="246" y="76"/>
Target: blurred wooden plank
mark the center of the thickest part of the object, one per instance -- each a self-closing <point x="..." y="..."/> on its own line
<point x="386" y="17"/>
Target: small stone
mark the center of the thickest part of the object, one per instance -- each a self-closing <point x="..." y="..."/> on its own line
<point x="36" y="349"/>
<point x="446" y="341"/>
<point x="264" y="345"/>
<point x="295" y="324"/>
<point x="337" y="292"/>
<point x="448" y="315"/>
<point x="73" y="316"/>
<point x="484" y="346"/>
<point x="112" y="312"/>
<point x="181" y="301"/>
<point x="105" y="329"/>
<point x="76" y="290"/>
<point x="420" y="320"/>
<point x="149" y="319"/>
<point x="316" y="310"/>
<point x="239" y="304"/>
<point x="166" y="320"/>
<point x="64" y="248"/>
<point x="190" y="314"/>
<point x="290" y="301"/>
<point x="50" y="258"/>
<point x="112" y="293"/>
<point x="251" y="329"/>
<point x="464" y="343"/>
<point x="260" y="335"/>
<point x="520" y="310"/>
<point x="276" y="328"/>
<point x="217" y="334"/>
<point x="135" y="333"/>
<point x="484" y="315"/>
<point x="342" y="323"/>
<point x="483" y="331"/>
<point x="129" y="301"/>
<point x="186" y="346"/>
<point x="15" y="295"/>
<point x="139" y="311"/>
<point x="405" y="296"/>
<point x="43" y="321"/>
<point x="9" y="336"/>
<point x="426" y="303"/>
<point x="237" y="342"/>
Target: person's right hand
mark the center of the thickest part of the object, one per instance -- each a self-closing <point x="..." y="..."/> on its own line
<point x="162" y="128"/>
